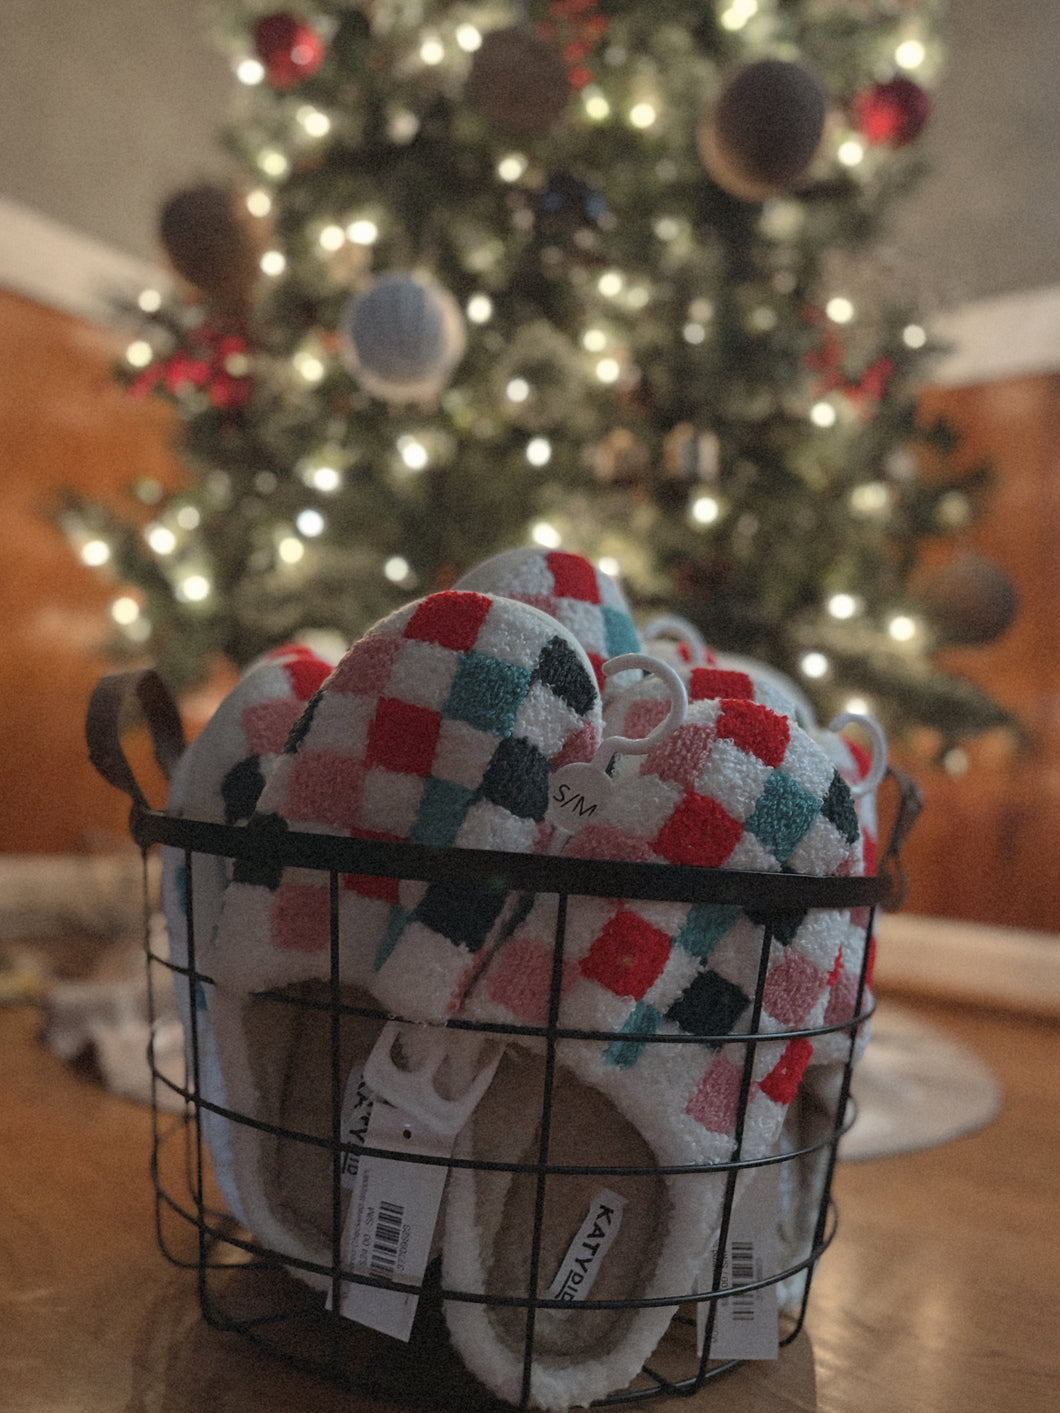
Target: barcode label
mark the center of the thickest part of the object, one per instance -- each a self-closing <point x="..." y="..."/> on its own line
<point x="745" y="1323"/>
<point x="742" y="1272"/>
<point x="387" y="1239"/>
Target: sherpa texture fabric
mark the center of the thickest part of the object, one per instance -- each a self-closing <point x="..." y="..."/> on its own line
<point x="218" y="779"/>
<point x="588" y="602"/>
<point x="441" y="726"/>
<point x="736" y="786"/>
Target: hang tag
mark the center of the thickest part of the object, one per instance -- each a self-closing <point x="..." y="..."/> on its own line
<point x="393" y="1212"/>
<point x="746" y="1325"/>
<point x="575" y="795"/>
<point x="357" y="1107"/>
<point x="581" y="1265"/>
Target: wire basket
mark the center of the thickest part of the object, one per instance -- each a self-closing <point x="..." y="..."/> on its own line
<point x="261" y="1292"/>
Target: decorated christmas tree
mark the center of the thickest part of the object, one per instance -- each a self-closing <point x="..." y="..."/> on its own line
<point x="598" y="274"/>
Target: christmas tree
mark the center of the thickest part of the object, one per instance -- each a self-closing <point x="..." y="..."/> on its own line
<point x="590" y="273"/>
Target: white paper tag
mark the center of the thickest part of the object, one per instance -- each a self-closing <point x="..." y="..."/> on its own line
<point x="393" y="1212"/>
<point x="356" y="1112"/>
<point x="745" y="1325"/>
<point x="581" y="1265"/>
<point x="575" y="794"/>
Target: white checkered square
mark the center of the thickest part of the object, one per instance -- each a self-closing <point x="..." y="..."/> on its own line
<point x="422" y="673"/>
<point x="545" y="721"/>
<point x="491" y="826"/>
<point x="732" y="777"/>
<point x="390" y="803"/>
<point x="462" y="753"/>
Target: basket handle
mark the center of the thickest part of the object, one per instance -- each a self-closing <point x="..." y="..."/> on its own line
<point x="109" y="716"/>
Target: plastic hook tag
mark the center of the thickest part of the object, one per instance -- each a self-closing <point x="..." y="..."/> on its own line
<point x="413" y="1089"/>
<point x="577" y="791"/>
<point x="878" y="741"/>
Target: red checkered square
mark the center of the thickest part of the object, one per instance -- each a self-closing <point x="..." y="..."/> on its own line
<point x="628" y="956"/>
<point x="324" y="789"/>
<point x="781" y="1083"/>
<point x="707" y="683"/>
<point x="698" y="833"/>
<point x="451" y="619"/>
<point x="305" y="675"/>
<point x="403" y="738"/>
<point x="573" y="577"/>
<point x="755" y="729"/>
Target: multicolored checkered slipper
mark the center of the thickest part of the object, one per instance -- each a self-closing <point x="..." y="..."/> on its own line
<point x="588" y="602"/>
<point x="218" y="779"/>
<point x="736" y="786"/>
<point x="442" y="726"/>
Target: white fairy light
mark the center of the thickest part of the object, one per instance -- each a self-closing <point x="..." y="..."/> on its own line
<point x="738" y="14"/>
<point x="638" y="296"/>
<point x="914" y="336"/>
<point x="539" y="451"/>
<point x="469" y="39"/>
<point x="902" y="628"/>
<point x="763" y="319"/>
<point x="851" y="152"/>
<point x="194" y="588"/>
<point x="325" y="478"/>
<point x="363" y="232"/>
<point x="610" y="566"/>
<point x="314" y="122"/>
<point x="594" y="340"/>
<point x="694" y="333"/>
<point x="150" y="301"/>
<point x="310" y="367"/>
<point x="95" y="553"/>
<point x="870" y="499"/>
<point x="595" y="103"/>
<point x="189" y="517"/>
<point x="259" y="202"/>
<point x="956" y="762"/>
<point x="413" y="453"/>
<point x="396" y="569"/>
<point x="705" y="510"/>
<point x="139" y="354"/>
<point x="910" y="54"/>
<point x="291" y="549"/>
<point x="840" y="310"/>
<point x="160" y="539"/>
<point x="518" y="390"/>
<point x="608" y="370"/>
<point x="814" y="665"/>
<point x="480" y="309"/>
<point x="610" y="284"/>
<point x="643" y="115"/>
<point x="432" y="50"/>
<point x="512" y="167"/>
<point x="857" y="706"/>
<point x="273" y="263"/>
<point x="310" y="523"/>
<point x="666" y="227"/>
<point x="843" y="606"/>
<point x="332" y="238"/>
<point x="273" y="162"/>
<point x="250" y="71"/>
<point x="545" y="535"/>
<point x="823" y="414"/>
<point x="125" y="611"/>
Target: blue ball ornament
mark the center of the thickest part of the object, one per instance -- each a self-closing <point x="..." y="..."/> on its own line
<point x="403" y="337"/>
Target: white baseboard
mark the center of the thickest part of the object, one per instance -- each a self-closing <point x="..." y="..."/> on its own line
<point x="969" y="962"/>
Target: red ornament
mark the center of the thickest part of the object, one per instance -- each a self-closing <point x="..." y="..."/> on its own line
<point x="290" y="49"/>
<point x="214" y="361"/>
<point x="893" y="112"/>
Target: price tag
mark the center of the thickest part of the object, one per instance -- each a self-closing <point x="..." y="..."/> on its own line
<point x="746" y="1324"/>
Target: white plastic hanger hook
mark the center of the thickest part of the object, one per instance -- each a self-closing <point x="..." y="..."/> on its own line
<point x="878" y="742"/>
<point x="641" y="745"/>
<point x="680" y="629"/>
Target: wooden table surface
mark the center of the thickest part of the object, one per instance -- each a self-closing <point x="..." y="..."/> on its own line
<point x="941" y="1293"/>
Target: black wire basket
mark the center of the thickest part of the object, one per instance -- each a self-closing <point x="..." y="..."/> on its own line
<point x="262" y="1294"/>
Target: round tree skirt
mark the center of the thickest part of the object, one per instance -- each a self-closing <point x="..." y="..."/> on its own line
<point x="916" y="1087"/>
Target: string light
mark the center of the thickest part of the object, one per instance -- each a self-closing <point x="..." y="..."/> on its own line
<point x="324" y="478"/>
<point x="857" y="706"/>
<point x="273" y="263"/>
<point x="814" y="665"/>
<point x="309" y="366"/>
<point x="705" y="510"/>
<point x="310" y="523"/>
<point x="291" y="549"/>
<point x="608" y="370"/>
<point x="595" y="103"/>
<point x="913" y="336"/>
<point x="413" y="453"/>
<point x="314" y="122"/>
<point x="259" y="202"/>
<point x="545" y="535"/>
<point x="594" y="340"/>
<point x="480" y="309"/>
<point x="469" y="39"/>
<point x="396" y="569"/>
<point x="539" y="451"/>
<point x="432" y="50"/>
<point x="870" y="499"/>
<point x="956" y="762"/>
<point x="273" y="163"/>
<point x="95" y="553"/>
<point x="332" y="238"/>
<point x="610" y="284"/>
<point x="160" y="539"/>
<point x="150" y="301"/>
<point x="512" y="167"/>
<point x="139" y="353"/>
<point x="363" y="232"/>
<point x="910" y="54"/>
<point x="844" y="606"/>
<point x="823" y="414"/>
<point x="125" y="611"/>
<point x="694" y="333"/>
<point x="610" y="566"/>
<point x="738" y="14"/>
<point x="194" y="588"/>
<point x="250" y="71"/>
<point x="189" y="517"/>
<point x="839" y="310"/>
<point x="666" y="227"/>
<point x="902" y="628"/>
<point x="518" y="390"/>
<point x="643" y="115"/>
<point x="851" y="152"/>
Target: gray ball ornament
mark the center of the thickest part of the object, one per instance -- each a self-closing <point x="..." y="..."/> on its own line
<point x="402" y="337"/>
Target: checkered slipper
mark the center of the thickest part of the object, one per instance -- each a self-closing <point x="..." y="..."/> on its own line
<point x="736" y="786"/>
<point x="441" y="726"/>
<point x="218" y="779"/>
<point x="588" y="602"/>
